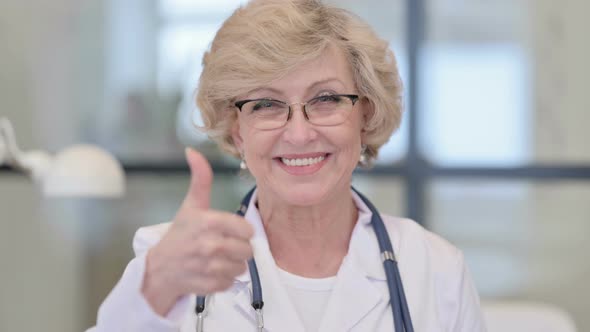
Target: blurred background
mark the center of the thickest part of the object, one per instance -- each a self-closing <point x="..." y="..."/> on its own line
<point x="493" y="152"/>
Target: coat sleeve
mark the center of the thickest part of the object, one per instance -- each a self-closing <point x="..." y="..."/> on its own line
<point x="468" y="315"/>
<point x="125" y="308"/>
<point x="458" y="304"/>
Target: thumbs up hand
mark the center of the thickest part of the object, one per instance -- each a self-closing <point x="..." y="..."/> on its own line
<point x="203" y="250"/>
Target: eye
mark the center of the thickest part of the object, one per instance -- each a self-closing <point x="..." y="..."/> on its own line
<point x="329" y="99"/>
<point x="265" y="104"/>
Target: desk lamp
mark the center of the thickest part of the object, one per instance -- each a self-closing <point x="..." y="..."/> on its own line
<point x="81" y="170"/>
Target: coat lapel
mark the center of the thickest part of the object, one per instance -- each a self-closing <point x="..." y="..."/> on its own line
<point x="278" y="311"/>
<point x="355" y="294"/>
<point x="353" y="297"/>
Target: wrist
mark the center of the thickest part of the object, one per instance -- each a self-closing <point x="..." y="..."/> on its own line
<point x="154" y="289"/>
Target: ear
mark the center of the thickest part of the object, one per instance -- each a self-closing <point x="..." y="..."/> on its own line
<point x="237" y="137"/>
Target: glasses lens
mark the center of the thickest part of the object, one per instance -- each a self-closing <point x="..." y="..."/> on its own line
<point x="329" y="110"/>
<point x="266" y="113"/>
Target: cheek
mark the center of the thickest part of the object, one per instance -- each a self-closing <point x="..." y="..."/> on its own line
<point x="352" y="153"/>
<point x="350" y="136"/>
<point x="350" y="143"/>
<point x="257" y="146"/>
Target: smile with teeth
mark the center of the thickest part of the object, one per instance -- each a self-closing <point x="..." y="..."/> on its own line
<point x="302" y="161"/>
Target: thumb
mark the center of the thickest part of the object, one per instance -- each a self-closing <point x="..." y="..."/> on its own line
<point x="199" y="191"/>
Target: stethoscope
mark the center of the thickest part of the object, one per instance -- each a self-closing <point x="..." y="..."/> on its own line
<point x="401" y="315"/>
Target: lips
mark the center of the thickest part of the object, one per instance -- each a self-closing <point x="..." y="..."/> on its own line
<point x="302" y="164"/>
<point x="302" y="161"/>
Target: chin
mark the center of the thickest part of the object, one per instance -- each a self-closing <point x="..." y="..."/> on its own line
<point x="304" y="194"/>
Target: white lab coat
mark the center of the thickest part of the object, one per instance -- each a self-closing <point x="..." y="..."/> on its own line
<point x="439" y="291"/>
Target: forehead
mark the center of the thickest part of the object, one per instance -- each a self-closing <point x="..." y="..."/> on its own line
<point x="330" y="70"/>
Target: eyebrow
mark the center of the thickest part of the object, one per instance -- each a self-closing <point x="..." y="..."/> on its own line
<point x="311" y="87"/>
<point x="324" y="81"/>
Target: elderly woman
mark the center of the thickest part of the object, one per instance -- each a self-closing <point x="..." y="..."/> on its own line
<point x="302" y="93"/>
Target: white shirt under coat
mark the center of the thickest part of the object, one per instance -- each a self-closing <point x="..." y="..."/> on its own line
<point x="439" y="290"/>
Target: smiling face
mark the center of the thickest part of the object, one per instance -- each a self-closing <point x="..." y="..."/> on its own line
<point x="301" y="163"/>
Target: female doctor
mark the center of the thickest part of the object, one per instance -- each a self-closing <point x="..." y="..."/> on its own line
<point x="302" y="93"/>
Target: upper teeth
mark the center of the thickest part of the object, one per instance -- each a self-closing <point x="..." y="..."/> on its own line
<point x="302" y="161"/>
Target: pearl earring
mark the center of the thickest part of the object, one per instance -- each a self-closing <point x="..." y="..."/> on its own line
<point x="363" y="156"/>
<point x="243" y="162"/>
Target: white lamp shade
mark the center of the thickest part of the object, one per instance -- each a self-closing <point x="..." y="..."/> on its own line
<point x="84" y="170"/>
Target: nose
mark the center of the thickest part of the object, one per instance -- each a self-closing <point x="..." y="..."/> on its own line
<point x="298" y="130"/>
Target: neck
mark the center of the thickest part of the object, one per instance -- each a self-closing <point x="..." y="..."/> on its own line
<point x="310" y="240"/>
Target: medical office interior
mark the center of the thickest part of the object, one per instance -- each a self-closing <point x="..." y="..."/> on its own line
<point x="493" y="152"/>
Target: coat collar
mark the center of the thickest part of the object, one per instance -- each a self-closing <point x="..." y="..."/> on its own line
<point x="363" y="243"/>
<point x="354" y="284"/>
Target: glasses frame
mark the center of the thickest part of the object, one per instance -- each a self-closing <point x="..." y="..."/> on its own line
<point x="353" y="99"/>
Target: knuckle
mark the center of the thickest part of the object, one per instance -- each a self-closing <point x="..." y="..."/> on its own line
<point x="205" y="223"/>
<point x="245" y="251"/>
<point x="208" y="224"/>
<point x="193" y="266"/>
<point x="208" y="285"/>
<point x="209" y="268"/>
<point x="242" y="268"/>
<point x="249" y="251"/>
<point x="249" y="230"/>
<point x="212" y="248"/>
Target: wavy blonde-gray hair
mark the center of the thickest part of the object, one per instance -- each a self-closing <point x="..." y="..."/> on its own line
<point x="266" y="39"/>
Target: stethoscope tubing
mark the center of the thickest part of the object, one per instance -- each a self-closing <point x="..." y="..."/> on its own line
<point x="399" y="306"/>
<point x="257" y="302"/>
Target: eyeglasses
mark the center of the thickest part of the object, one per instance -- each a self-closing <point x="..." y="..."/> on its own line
<point x="324" y="110"/>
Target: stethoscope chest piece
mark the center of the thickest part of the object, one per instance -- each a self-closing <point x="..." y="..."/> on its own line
<point x="260" y="320"/>
<point x="200" y="322"/>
